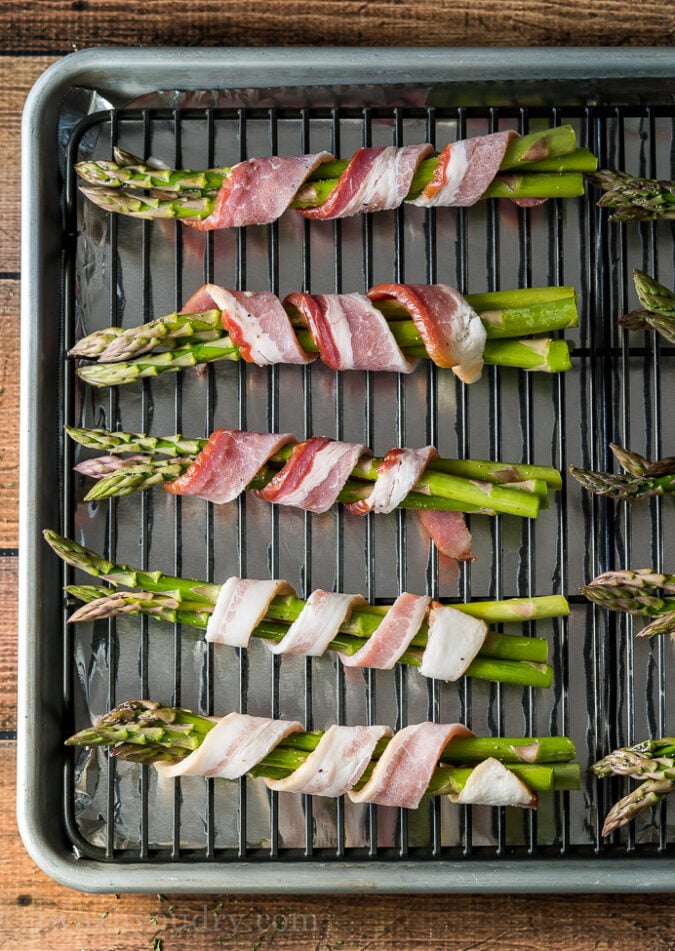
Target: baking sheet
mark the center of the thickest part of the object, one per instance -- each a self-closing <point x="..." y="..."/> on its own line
<point x="605" y="688"/>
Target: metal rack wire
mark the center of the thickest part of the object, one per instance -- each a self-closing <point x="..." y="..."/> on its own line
<point x="608" y="690"/>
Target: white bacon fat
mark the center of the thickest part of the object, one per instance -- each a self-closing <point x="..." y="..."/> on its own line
<point x="319" y="622"/>
<point x="453" y="642"/>
<point x="241" y="605"/>
<point x="337" y="763"/>
<point x="234" y="746"/>
<point x="492" y="784"/>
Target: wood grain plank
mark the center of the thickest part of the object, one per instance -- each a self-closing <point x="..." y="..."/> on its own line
<point x="17" y="76"/>
<point x="37" y="913"/>
<point x="48" y="25"/>
<point x="8" y="638"/>
<point x="9" y="414"/>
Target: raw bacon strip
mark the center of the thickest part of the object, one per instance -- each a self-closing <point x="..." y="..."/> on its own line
<point x="350" y="333"/>
<point x="403" y="772"/>
<point x="397" y="474"/>
<point x="318" y="623"/>
<point x="227" y="464"/>
<point x="256" y="321"/>
<point x="315" y="474"/>
<point x="453" y="641"/>
<point x="337" y="763"/>
<point x="464" y="171"/>
<point x="393" y="635"/>
<point x="241" y="605"/>
<point x="492" y="784"/>
<point x="449" y="532"/>
<point x="234" y="746"/>
<point x="259" y="191"/>
<point x="452" y="332"/>
<point x="376" y="179"/>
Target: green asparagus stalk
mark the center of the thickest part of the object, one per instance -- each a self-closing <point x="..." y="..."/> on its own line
<point x="504" y="658"/>
<point x="435" y="490"/>
<point x="641" y="592"/>
<point x="658" y="303"/>
<point x="632" y="198"/>
<point x="642" y="478"/>
<point x="144" y="731"/>
<point x="653" y="762"/>
<point x="544" y="165"/>
<point x="544" y="355"/>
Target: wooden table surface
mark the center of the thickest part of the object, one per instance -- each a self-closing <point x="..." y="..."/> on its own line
<point x="36" y="913"/>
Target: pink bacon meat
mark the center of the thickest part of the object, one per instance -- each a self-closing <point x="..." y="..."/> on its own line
<point x="259" y="191"/>
<point x="234" y="746"/>
<point x="464" y="171"/>
<point x="402" y="774"/>
<point x="315" y="474"/>
<point x="376" y="179"/>
<point x="393" y="635"/>
<point x="452" y="332"/>
<point x="255" y="320"/>
<point x="227" y="464"/>
<point x="398" y="472"/>
<point x="449" y="532"/>
<point x="350" y="333"/>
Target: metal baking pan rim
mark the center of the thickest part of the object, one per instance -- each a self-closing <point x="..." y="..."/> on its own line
<point x="109" y="72"/>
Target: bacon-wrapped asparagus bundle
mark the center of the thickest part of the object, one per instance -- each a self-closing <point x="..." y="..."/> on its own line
<point x="527" y="169"/>
<point x="442" y="641"/>
<point x="315" y="474"/>
<point x="387" y="329"/>
<point x="370" y="764"/>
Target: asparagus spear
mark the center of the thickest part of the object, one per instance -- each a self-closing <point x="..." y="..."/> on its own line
<point x="436" y="488"/>
<point x="543" y="354"/>
<point x="146" y="732"/>
<point x="652" y="761"/>
<point x="658" y="303"/>
<point x="201" y="337"/>
<point x="642" y="592"/>
<point x="632" y="198"/>
<point x="503" y="658"/>
<point x="642" y="478"/>
<point x="535" y="151"/>
<point x="533" y="166"/>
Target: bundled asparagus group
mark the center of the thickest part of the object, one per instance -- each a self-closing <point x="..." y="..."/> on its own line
<point x="505" y="658"/>
<point x="658" y="307"/>
<point x="642" y="592"/>
<point x="146" y="732"/>
<point x="542" y="165"/>
<point x="641" y="478"/>
<point x="652" y="762"/>
<point x="634" y="199"/>
<point x="176" y="341"/>
<point x="472" y="486"/>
